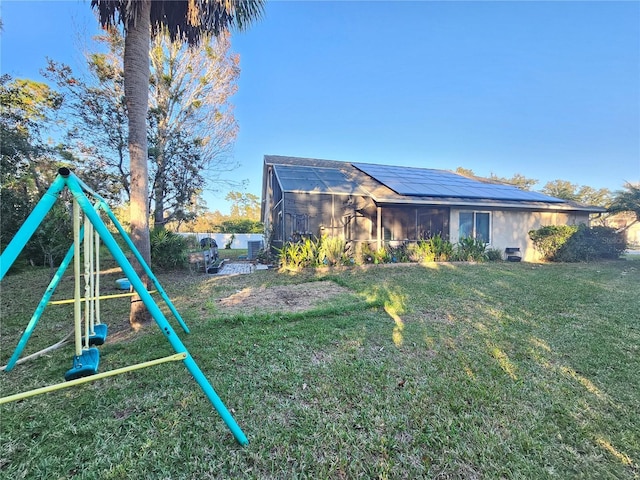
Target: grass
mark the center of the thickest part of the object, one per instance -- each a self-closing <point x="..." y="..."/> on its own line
<point x="501" y="370"/>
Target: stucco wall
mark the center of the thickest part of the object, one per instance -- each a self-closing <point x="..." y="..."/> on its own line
<point x="510" y="228"/>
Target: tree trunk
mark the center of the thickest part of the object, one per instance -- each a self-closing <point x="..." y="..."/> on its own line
<point x="136" y="88"/>
<point x="158" y="214"/>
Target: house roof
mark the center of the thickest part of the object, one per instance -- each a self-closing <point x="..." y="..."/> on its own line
<point x="387" y="184"/>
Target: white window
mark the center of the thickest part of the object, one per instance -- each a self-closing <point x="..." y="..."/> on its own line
<point x="476" y="225"/>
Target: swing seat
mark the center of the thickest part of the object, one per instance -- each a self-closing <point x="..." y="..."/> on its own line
<point x="99" y="334"/>
<point x="84" y="364"/>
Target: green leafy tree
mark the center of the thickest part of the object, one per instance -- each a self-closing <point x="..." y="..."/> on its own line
<point x="600" y="197"/>
<point x="517" y="180"/>
<point x="582" y="194"/>
<point x="187" y="21"/>
<point x="191" y="122"/>
<point x="244" y="205"/>
<point x="240" y="225"/>
<point x="95" y="119"/>
<point x="27" y="164"/>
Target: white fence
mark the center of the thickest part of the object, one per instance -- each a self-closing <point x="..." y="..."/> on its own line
<point x="240" y="240"/>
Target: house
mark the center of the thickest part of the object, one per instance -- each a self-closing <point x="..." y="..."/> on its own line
<point x="383" y="204"/>
<point x="627" y="223"/>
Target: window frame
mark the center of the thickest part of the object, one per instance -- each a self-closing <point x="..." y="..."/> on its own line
<point x="474" y="223"/>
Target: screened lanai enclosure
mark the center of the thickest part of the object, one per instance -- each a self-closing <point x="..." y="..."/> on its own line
<point x="315" y="200"/>
<point x="389" y="205"/>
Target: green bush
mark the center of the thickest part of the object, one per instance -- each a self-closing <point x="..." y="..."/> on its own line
<point x="588" y="244"/>
<point x="297" y="255"/>
<point x="570" y="243"/>
<point x="442" y="249"/>
<point x="470" y="249"/>
<point x="332" y="251"/>
<point x="421" y="252"/>
<point x="375" y="255"/>
<point x="549" y="239"/>
<point x="493" y="254"/>
<point x="168" y="250"/>
<point x="399" y="254"/>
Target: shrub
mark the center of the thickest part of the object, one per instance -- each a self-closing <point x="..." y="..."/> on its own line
<point x="442" y="249"/>
<point x="493" y="254"/>
<point x="399" y="254"/>
<point x="588" y="244"/>
<point x="470" y="249"/>
<point x="373" y="255"/>
<point x="421" y="252"/>
<point x="332" y="251"/>
<point x="168" y="250"/>
<point x="297" y="255"/>
<point x="264" y="256"/>
<point x="549" y="239"/>
<point x="564" y="243"/>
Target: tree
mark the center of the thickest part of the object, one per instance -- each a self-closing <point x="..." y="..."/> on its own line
<point x="600" y="197"/>
<point x="183" y="20"/>
<point x="26" y="166"/>
<point x="191" y="123"/>
<point x="245" y="205"/>
<point x="627" y="200"/>
<point x="193" y="126"/>
<point x="575" y="193"/>
<point x="240" y="225"/>
<point x="517" y="180"/>
<point x="96" y="119"/>
<point x="561" y="189"/>
<point x="466" y="172"/>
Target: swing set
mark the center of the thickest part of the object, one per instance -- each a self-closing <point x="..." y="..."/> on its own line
<point x="90" y="233"/>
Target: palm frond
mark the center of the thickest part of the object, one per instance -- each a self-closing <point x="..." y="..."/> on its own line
<point x="186" y="20"/>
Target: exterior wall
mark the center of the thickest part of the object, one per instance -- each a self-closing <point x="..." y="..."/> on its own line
<point x="626" y="221"/>
<point x="296" y="215"/>
<point x="510" y="228"/>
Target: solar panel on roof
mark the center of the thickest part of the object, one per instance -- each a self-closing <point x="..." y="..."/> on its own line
<point x="440" y="183"/>
<point x="294" y="178"/>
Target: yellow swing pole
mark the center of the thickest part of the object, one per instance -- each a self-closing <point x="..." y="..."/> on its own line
<point x="96" y="291"/>
<point x="97" y="376"/>
<point x="77" y="309"/>
<point x="101" y="297"/>
<point x="88" y="283"/>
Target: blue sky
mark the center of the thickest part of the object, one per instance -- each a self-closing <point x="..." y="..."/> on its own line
<point x="547" y="89"/>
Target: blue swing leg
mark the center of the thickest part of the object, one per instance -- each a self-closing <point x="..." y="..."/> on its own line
<point x="152" y="307"/>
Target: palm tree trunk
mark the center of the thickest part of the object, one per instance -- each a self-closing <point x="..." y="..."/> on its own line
<point x="136" y="88"/>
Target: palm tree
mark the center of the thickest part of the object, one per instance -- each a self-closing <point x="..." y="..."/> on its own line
<point x="185" y="20"/>
<point x="627" y="200"/>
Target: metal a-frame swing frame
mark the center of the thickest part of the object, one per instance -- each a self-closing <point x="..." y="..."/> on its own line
<point x="79" y="190"/>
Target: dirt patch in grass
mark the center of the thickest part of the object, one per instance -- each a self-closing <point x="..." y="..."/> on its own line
<point x="287" y="298"/>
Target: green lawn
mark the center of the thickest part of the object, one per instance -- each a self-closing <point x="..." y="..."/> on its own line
<point x="499" y="370"/>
